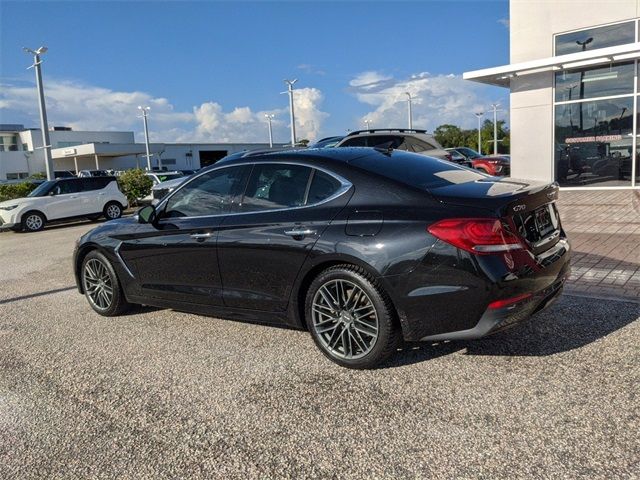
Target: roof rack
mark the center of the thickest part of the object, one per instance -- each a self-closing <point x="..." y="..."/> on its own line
<point x="374" y="130"/>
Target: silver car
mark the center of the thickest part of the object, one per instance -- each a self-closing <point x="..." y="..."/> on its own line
<point x="411" y="140"/>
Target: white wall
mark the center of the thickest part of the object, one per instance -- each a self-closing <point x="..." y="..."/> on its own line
<point x="532" y="27"/>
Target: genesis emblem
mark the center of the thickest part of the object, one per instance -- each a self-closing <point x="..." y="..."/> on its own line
<point x="519" y="208"/>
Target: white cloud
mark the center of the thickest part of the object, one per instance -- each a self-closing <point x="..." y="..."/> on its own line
<point x="437" y="99"/>
<point x="87" y="107"/>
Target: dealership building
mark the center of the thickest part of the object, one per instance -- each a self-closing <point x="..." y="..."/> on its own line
<point x="21" y="152"/>
<point x="573" y="81"/>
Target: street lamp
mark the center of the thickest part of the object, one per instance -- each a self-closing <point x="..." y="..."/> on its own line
<point x="43" y="110"/>
<point x="290" y="84"/>
<point x="367" y="124"/>
<point x="270" y="117"/>
<point x="479" y="115"/>
<point x="409" y="111"/>
<point x="145" y="113"/>
<point x="495" y="127"/>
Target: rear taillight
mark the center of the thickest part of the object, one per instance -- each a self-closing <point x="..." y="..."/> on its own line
<point x="476" y="235"/>
<point x="507" y="302"/>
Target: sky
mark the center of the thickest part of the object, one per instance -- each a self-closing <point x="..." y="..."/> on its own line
<point x="211" y="70"/>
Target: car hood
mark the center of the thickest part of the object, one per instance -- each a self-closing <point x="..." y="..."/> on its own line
<point x="19" y="201"/>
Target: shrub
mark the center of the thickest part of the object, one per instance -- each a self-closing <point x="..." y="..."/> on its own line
<point x="16" y="190"/>
<point x="135" y="185"/>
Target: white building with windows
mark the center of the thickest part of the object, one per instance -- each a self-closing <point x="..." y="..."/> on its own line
<point x="573" y="79"/>
<point x="22" y="155"/>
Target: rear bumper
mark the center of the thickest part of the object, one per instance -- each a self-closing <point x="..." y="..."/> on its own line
<point x="494" y="320"/>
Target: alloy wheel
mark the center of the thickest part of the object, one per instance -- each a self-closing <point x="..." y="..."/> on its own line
<point x="98" y="284"/>
<point x="113" y="211"/>
<point x="345" y="319"/>
<point x="34" y="222"/>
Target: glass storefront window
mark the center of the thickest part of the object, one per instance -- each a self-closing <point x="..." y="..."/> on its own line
<point x="604" y="81"/>
<point x="594" y="38"/>
<point x="594" y="142"/>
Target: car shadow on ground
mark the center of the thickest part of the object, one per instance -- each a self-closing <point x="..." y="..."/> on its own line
<point x="35" y="295"/>
<point x="570" y="324"/>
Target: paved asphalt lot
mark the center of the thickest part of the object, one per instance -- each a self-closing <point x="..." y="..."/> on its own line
<point x="160" y="393"/>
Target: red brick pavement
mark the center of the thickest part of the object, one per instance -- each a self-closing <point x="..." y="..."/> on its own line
<point x="604" y="230"/>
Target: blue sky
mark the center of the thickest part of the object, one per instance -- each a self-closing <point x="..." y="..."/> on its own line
<point x="211" y="70"/>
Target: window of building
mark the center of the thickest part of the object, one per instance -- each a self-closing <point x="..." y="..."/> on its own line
<point x="17" y="175"/>
<point x="594" y="38"/>
<point x="602" y="81"/>
<point x="68" y="144"/>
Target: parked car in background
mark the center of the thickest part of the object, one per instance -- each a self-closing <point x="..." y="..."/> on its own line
<point x="497" y="165"/>
<point x="162" y="189"/>
<point x="327" y="142"/>
<point x="92" y="173"/>
<point x="187" y="171"/>
<point x="160" y="176"/>
<point x="305" y="238"/>
<point x="410" y="140"/>
<point x="457" y="157"/>
<point x="63" y="199"/>
<point x="63" y="174"/>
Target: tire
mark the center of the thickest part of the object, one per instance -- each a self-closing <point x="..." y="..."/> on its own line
<point x="33" y="221"/>
<point x="101" y="286"/>
<point x="362" y="332"/>
<point x="112" y="210"/>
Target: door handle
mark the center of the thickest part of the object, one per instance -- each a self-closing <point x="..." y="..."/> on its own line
<point x="300" y="232"/>
<point x="201" y="236"/>
<point x="73" y="196"/>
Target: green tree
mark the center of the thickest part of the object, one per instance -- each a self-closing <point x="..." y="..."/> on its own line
<point x="449" y="136"/>
<point x="135" y="184"/>
<point x="16" y="190"/>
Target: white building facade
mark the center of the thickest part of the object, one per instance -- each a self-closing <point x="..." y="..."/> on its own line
<point x="573" y="79"/>
<point x="22" y="155"/>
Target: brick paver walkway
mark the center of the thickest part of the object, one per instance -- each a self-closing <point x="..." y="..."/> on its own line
<point x="604" y="230"/>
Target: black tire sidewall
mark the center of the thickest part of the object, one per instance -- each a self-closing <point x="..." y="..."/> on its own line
<point x="387" y="331"/>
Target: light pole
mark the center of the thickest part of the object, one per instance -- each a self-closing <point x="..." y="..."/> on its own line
<point x="145" y="113"/>
<point x="290" y="84"/>
<point x="367" y="124"/>
<point x="495" y="127"/>
<point x="270" y="117"/>
<point x="479" y="115"/>
<point x="410" y="112"/>
<point x="43" y="109"/>
<point x="583" y="44"/>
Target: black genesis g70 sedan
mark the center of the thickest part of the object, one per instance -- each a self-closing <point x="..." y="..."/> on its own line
<point x="362" y="247"/>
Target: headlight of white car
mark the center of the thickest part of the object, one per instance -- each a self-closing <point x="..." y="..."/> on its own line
<point x="9" y="207"/>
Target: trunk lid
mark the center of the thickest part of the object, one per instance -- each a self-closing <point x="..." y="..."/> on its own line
<point x="526" y="207"/>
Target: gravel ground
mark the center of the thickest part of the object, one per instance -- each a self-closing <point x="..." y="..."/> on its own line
<point x="160" y="393"/>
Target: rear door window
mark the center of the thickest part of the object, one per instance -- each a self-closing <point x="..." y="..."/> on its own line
<point x="67" y="186"/>
<point x="276" y="186"/>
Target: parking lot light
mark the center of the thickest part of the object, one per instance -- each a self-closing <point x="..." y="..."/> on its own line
<point x="290" y="84"/>
<point x="479" y="115"/>
<point x="145" y="113"/>
<point x="409" y="110"/>
<point x="270" y="117"/>
<point x="46" y="143"/>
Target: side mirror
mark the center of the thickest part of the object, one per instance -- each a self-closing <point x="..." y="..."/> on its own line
<point x="147" y="214"/>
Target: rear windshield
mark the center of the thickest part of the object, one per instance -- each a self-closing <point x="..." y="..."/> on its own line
<point x="417" y="170"/>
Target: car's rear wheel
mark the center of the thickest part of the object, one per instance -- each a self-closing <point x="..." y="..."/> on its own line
<point x="112" y="210"/>
<point x="101" y="285"/>
<point x="33" y="222"/>
<point x="350" y="317"/>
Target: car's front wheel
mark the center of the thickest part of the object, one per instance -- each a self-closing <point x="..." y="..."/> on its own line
<point x="350" y="317"/>
<point x="101" y="285"/>
<point x="33" y="222"/>
<point x="112" y="210"/>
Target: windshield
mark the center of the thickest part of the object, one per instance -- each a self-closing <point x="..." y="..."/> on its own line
<point x="168" y="176"/>
<point x="469" y="152"/>
<point x="43" y="189"/>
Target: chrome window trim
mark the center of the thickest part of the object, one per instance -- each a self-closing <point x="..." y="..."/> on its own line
<point x="345" y="185"/>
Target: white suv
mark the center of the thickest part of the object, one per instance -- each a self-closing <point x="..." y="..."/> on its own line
<point x="62" y="199"/>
